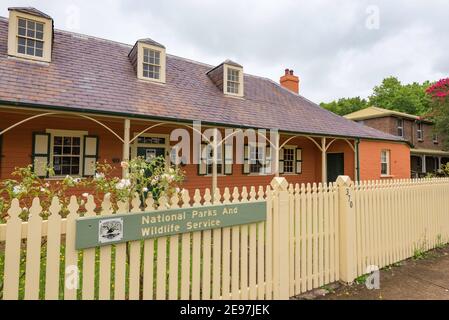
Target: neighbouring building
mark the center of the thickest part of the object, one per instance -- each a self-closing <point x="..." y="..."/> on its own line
<point x="70" y="100"/>
<point x="427" y="153"/>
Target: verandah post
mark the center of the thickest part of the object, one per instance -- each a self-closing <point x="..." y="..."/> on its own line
<point x="281" y="241"/>
<point x="347" y="229"/>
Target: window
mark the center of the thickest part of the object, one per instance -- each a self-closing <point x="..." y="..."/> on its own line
<point x="233" y="81"/>
<point x="420" y="132"/>
<point x="385" y="162"/>
<point x="30" y="37"/>
<point x="400" y="125"/>
<point x="66" y="155"/>
<point x="289" y="160"/>
<point x="151" y="140"/>
<point x="435" y="138"/>
<point x="259" y="159"/>
<point x="151" y="63"/>
<point x="210" y="158"/>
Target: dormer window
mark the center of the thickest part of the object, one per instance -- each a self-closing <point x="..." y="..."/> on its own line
<point x="148" y="58"/>
<point x="228" y="77"/>
<point x="30" y="34"/>
<point x="233" y="82"/>
<point x="30" y="37"/>
<point x="151" y="63"/>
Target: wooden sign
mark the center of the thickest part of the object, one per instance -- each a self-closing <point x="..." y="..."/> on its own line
<point x="117" y="228"/>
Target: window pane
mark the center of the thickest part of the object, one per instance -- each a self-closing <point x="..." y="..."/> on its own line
<point x="76" y="150"/>
<point x="22" y="32"/>
<point x="76" y="141"/>
<point x="57" y="150"/>
<point x="75" y="170"/>
<point x="22" y="23"/>
<point x="39" y="27"/>
<point x="31" y="33"/>
<point x="40" y="35"/>
<point x="31" y="25"/>
<point x="67" y="140"/>
<point x="39" y="53"/>
<point x="30" y="51"/>
<point x="21" y="49"/>
<point x="57" y="140"/>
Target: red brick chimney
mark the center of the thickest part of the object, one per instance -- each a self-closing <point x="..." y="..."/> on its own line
<point x="290" y="81"/>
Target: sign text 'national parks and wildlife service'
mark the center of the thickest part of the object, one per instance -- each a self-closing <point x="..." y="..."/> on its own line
<point x="104" y="230"/>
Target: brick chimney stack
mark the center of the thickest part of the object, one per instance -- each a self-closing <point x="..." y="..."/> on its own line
<point x="290" y="81"/>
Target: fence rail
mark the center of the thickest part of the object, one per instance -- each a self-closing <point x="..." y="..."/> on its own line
<point x="314" y="234"/>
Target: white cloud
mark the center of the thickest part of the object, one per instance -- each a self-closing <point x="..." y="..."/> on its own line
<point x="325" y="42"/>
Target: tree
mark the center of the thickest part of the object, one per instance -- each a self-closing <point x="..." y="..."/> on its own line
<point x="393" y="95"/>
<point x="438" y="93"/>
<point x="345" y="105"/>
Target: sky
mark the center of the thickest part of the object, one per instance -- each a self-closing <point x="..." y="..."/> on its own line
<point x="338" y="48"/>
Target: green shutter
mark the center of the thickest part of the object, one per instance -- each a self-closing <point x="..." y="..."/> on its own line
<point x="90" y="155"/>
<point x="41" y="154"/>
<point x="298" y="166"/>
<point x="281" y="160"/>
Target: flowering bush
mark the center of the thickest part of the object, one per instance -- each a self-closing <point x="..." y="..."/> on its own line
<point x="144" y="177"/>
<point x="439" y="93"/>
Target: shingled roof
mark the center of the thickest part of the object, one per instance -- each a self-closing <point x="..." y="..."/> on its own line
<point x="92" y="74"/>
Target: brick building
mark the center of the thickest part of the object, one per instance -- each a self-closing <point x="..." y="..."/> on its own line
<point x="69" y="100"/>
<point x="427" y="154"/>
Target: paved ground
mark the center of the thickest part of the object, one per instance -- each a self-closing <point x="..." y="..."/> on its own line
<point x="423" y="279"/>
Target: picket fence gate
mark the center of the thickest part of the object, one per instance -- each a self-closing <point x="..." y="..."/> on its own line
<point x="314" y="234"/>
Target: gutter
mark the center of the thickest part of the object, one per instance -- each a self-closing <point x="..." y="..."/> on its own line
<point x="187" y="121"/>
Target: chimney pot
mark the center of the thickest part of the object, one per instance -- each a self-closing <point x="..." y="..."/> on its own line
<point x="290" y="81"/>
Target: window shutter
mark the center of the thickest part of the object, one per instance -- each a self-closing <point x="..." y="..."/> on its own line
<point x="281" y="160"/>
<point x="228" y="156"/>
<point x="202" y="166"/>
<point x="90" y="156"/>
<point x="41" y="154"/>
<point x="298" y="160"/>
<point x="246" y="160"/>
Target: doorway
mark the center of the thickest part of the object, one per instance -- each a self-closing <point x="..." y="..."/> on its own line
<point x="335" y="166"/>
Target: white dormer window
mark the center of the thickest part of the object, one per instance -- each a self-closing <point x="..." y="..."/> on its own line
<point x="30" y="35"/>
<point x="233" y="83"/>
<point x="151" y="64"/>
<point x="149" y="60"/>
<point x="233" y="80"/>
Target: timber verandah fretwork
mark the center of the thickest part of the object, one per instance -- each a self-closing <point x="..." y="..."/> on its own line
<point x="322" y="142"/>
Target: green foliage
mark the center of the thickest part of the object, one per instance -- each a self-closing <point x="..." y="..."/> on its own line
<point x="345" y="105"/>
<point x="409" y="98"/>
<point x="390" y="94"/>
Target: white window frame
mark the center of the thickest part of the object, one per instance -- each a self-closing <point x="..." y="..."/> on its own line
<point x="435" y="138"/>
<point x="140" y="62"/>
<point x="67" y="133"/>
<point x="420" y="131"/>
<point x="166" y="145"/>
<point x="293" y="148"/>
<point x="400" y="126"/>
<point x="210" y="158"/>
<point x="13" y="36"/>
<point x="226" y="69"/>
<point x="266" y="167"/>
<point x="387" y="162"/>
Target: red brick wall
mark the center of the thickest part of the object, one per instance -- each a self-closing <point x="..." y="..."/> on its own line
<point x="369" y="154"/>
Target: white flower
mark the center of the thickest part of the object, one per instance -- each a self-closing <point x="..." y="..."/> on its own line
<point x="99" y="176"/>
<point x="17" y="190"/>
<point x="145" y="189"/>
<point x="124" y="183"/>
<point x="85" y="194"/>
<point x="42" y="189"/>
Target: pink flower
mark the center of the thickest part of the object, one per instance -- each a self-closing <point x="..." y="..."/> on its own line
<point x="124" y="164"/>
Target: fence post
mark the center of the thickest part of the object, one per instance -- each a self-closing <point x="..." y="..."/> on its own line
<point x="281" y="238"/>
<point x="347" y="229"/>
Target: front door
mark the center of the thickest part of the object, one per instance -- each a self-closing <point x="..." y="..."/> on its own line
<point x="335" y="166"/>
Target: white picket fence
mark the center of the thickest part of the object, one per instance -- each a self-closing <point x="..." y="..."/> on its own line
<point x="313" y="235"/>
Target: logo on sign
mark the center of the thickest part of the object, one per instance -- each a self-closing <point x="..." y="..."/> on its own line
<point x="110" y="230"/>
